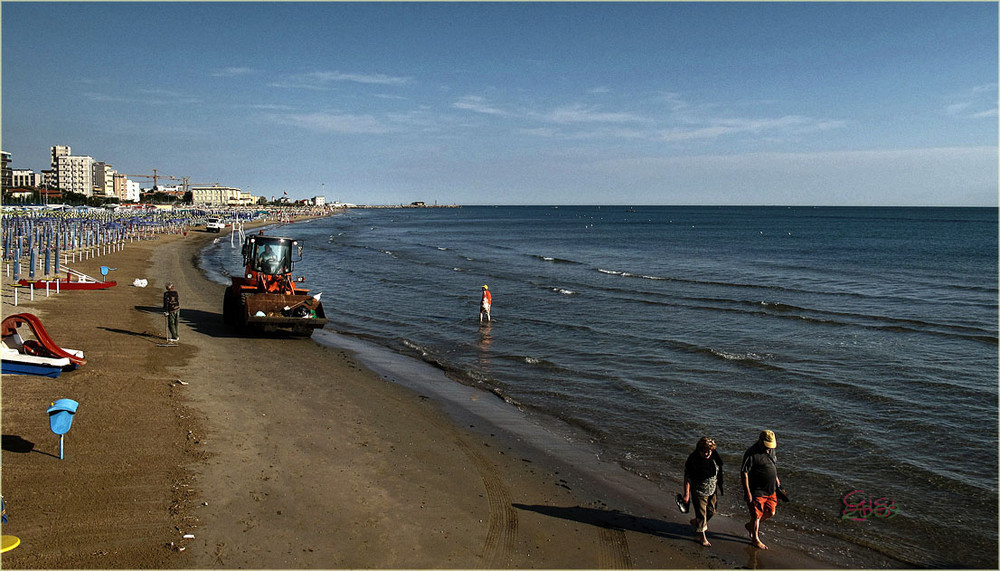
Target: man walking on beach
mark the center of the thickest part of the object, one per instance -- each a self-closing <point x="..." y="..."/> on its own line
<point x="485" y="303"/>
<point x="172" y="310"/>
<point x="760" y="483"/>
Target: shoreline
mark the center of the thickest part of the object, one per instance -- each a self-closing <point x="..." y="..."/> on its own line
<point x="271" y="442"/>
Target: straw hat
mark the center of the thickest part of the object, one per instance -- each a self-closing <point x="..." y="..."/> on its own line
<point x="767" y="438"/>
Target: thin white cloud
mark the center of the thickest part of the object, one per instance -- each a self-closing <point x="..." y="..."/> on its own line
<point x="145" y="97"/>
<point x="681" y="122"/>
<point x="585" y="114"/>
<point x="301" y="85"/>
<point x="269" y="107"/>
<point x="346" y="123"/>
<point x="478" y="105"/>
<point x="567" y="114"/>
<point x="157" y="92"/>
<point x="977" y="102"/>
<point x="233" y="72"/>
<point x="674" y="101"/>
<point x="330" y="80"/>
<point x="984" y="114"/>
<point x="543" y="132"/>
<point x="105" y="98"/>
<point x="769" y="127"/>
<point x="675" y="134"/>
<point x="374" y="78"/>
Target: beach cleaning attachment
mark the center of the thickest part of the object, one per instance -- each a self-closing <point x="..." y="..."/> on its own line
<point x="266" y="298"/>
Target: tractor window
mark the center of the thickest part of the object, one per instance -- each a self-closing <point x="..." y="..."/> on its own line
<point x="271" y="258"/>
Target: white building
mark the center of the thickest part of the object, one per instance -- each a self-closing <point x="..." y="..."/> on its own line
<point x="50" y="178"/>
<point x="56" y="152"/>
<point x="132" y="191"/>
<point x="217" y="196"/>
<point x="76" y="174"/>
<point x="319" y="200"/>
<point x="125" y="189"/>
<point x="25" y="177"/>
<point x="104" y="179"/>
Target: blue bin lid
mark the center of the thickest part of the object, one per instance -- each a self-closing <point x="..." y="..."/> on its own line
<point x="61" y="415"/>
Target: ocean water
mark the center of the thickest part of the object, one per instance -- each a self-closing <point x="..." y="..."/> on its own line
<point x="866" y="338"/>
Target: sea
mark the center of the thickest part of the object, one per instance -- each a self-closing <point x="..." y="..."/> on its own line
<point x="866" y="338"/>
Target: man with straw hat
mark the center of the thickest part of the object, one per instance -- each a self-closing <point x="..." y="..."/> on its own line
<point x="760" y="483"/>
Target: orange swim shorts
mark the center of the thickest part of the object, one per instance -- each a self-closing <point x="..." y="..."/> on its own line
<point x="761" y="505"/>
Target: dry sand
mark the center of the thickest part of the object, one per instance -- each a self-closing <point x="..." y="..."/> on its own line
<point x="283" y="453"/>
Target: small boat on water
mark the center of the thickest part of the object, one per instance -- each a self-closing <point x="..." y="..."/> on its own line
<point x="38" y="356"/>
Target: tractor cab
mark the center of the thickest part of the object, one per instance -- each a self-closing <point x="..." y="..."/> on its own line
<point x="270" y="255"/>
<point x="266" y="297"/>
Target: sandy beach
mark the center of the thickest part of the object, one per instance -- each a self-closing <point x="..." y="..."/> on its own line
<point x="233" y="452"/>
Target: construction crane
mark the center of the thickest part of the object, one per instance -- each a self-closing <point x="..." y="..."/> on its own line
<point x="155" y="177"/>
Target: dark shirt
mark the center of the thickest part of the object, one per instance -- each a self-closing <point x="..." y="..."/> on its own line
<point x="759" y="466"/>
<point x="698" y="469"/>
<point x="171" y="301"/>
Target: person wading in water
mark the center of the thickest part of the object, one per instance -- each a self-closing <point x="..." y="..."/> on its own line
<point x="485" y="303"/>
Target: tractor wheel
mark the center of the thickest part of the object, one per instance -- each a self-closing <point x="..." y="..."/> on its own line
<point x="242" y="314"/>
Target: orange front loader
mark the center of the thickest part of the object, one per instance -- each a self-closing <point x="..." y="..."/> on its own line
<point x="266" y="298"/>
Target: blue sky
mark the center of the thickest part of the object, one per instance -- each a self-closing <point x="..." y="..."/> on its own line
<point x="518" y="103"/>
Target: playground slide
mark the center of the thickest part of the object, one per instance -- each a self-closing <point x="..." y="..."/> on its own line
<point x="11" y="323"/>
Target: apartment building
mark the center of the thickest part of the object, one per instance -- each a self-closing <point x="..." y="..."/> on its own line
<point x="216" y="196"/>
<point x="56" y="152"/>
<point x="6" y="179"/>
<point x="76" y="173"/>
<point x="126" y="190"/>
<point x="50" y="178"/>
<point x="25" y="178"/>
<point x="104" y="179"/>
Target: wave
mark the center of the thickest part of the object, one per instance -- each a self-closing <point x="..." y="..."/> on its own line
<point x="531" y="360"/>
<point x="631" y="275"/>
<point x="780" y="310"/>
<point x="881" y="322"/>
<point x="563" y="291"/>
<point x="555" y="260"/>
<point x="748" y="358"/>
<point x="740" y="285"/>
<point x="439" y="248"/>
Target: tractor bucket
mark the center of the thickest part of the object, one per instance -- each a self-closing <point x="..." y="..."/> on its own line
<point x="299" y="314"/>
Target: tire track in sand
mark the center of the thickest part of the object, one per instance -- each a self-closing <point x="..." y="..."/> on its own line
<point x="614" y="553"/>
<point x="501" y="531"/>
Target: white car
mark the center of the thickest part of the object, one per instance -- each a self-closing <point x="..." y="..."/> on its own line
<point x="215" y="225"/>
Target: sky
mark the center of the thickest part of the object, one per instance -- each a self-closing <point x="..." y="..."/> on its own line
<point x="670" y="103"/>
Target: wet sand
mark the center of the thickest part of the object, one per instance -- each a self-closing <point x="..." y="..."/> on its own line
<point x="288" y="453"/>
